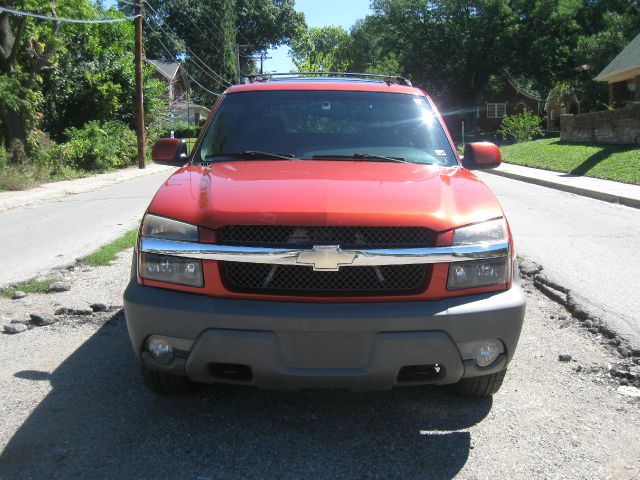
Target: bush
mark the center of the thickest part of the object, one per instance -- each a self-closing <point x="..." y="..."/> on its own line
<point x="180" y="128"/>
<point x="3" y="157"/>
<point x="17" y="153"/>
<point x="523" y="127"/>
<point x="100" y="147"/>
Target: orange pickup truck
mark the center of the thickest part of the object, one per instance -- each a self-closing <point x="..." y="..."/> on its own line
<point x="325" y="234"/>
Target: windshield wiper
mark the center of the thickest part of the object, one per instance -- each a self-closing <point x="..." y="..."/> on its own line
<point x="361" y="156"/>
<point x="251" y="154"/>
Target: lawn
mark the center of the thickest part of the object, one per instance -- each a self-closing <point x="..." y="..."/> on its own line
<point x="611" y="162"/>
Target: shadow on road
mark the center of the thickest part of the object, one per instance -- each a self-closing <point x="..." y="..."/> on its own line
<point x="99" y="421"/>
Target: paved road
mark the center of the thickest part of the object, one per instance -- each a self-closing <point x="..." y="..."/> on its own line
<point x="37" y="238"/>
<point x="586" y="245"/>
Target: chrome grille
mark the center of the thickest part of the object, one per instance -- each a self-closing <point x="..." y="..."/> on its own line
<point x="302" y="280"/>
<point x="346" y="237"/>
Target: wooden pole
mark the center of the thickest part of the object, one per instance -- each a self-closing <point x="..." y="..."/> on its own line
<point x="139" y="87"/>
<point x="237" y="63"/>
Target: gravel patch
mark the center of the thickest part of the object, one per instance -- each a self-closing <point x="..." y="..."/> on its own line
<point x="74" y="406"/>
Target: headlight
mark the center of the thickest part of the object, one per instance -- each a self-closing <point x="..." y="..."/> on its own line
<point x="168" y="229"/>
<point x="167" y="268"/>
<point x="485" y="232"/>
<point x="479" y="273"/>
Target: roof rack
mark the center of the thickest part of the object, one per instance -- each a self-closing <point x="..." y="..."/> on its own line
<point x="388" y="79"/>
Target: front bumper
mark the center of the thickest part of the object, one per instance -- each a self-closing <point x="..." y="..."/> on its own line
<point x="293" y="345"/>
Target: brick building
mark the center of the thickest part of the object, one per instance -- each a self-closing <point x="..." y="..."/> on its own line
<point x="623" y="76"/>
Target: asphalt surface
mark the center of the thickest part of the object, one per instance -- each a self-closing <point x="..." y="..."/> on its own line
<point x="586" y="245"/>
<point x="56" y="232"/>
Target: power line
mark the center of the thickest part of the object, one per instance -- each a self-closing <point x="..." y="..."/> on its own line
<point x="185" y="70"/>
<point x="198" y="83"/>
<point x="223" y="52"/>
<point x="66" y="20"/>
<point x="219" y="77"/>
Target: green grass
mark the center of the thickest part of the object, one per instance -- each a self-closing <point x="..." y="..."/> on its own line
<point x="190" y="144"/>
<point x="107" y="254"/>
<point x="30" y="286"/>
<point x="611" y="162"/>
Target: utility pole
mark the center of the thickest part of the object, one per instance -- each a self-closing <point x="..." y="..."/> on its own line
<point x="262" y="58"/>
<point x="139" y="87"/>
<point x="238" y="47"/>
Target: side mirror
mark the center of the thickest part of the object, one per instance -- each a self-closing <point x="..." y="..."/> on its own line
<point x="170" y="151"/>
<point x="481" y="156"/>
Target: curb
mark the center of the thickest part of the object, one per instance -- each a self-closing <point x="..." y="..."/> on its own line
<point x="585" y="192"/>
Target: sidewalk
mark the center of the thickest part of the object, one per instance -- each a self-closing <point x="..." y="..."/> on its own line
<point x="607" y="190"/>
<point x="48" y="191"/>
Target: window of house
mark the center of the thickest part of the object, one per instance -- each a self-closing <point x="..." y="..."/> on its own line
<point x="496" y="110"/>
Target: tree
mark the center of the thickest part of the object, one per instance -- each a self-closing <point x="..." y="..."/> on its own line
<point x="204" y="34"/>
<point x="321" y="49"/>
<point x="26" y="49"/>
<point x="608" y="27"/>
<point x="94" y="79"/>
<point x="450" y="47"/>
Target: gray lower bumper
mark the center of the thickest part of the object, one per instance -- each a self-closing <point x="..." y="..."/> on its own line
<point x="359" y="346"/>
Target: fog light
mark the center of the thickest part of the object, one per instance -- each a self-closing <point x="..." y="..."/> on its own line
<point x="483" y="352"/>
<point x="487" y="354"/>
<point x="160" y="350"/>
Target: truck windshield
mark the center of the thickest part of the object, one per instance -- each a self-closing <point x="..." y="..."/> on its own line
<point x="326" y="124"/>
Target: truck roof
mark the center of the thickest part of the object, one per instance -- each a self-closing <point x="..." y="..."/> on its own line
<point x="326" y="83"/>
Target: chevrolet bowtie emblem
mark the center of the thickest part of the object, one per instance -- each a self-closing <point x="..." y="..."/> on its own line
<point x="326" y="258"/>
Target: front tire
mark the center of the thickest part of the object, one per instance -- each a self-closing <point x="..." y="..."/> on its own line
<point x="166" y="383"/>
<point x="482" y="386"/>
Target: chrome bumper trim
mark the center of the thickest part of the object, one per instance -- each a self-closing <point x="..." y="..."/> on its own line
<point x="325" y="257"/>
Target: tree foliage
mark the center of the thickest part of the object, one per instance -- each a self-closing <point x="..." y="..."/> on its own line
<point x="321" y="49"/>
<point x="56" y="75"/>
<point x="205" y="33"/>
<point x="459" y="49"/>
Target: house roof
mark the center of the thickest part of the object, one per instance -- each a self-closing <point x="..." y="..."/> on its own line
<point x="186" y="106"/>
<point x="166" y="69"/>
<point x="625" y="66"/>
<point x="519" y="86"/>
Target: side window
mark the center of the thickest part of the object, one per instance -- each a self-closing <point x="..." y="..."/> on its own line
<point x="496" y="110"/>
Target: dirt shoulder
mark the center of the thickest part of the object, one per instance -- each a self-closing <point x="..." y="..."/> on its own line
<point x="73" y="405"/>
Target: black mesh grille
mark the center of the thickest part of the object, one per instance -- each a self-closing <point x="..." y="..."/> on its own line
<point x="303" y="280"/>
<point x="346" y="237"/>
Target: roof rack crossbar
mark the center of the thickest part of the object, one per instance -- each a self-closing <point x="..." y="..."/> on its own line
<point x="388" y="79"/>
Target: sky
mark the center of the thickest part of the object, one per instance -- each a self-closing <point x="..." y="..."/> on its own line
<point x="319" y="13"/>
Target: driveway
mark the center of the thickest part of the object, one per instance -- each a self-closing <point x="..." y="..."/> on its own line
<point x="73" y="405"/>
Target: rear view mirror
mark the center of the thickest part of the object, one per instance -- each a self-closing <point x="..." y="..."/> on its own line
<point x="170" y="151"/>
<point x="481" y="156"/>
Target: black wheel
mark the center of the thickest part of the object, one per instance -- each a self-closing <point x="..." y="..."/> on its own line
<point x="166" y="383"/>
<point x="483" y="386"/>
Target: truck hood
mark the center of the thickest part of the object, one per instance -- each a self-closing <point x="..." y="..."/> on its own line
<point x="325" y="193"/>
